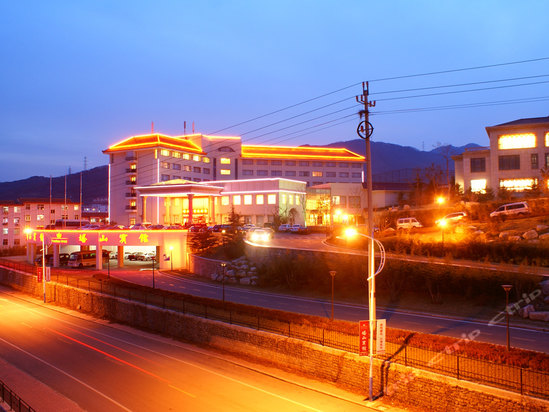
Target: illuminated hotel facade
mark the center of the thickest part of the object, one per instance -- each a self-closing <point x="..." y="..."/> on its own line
<point x="259" y="181"/>
<point x="518" y="151"/>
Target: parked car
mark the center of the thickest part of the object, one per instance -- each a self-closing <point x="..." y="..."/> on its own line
<point x="139" y="226"/>
<point x="299" y="229"/>
<point x="511" y="209"/>
<point x="140" y="256"/>
<point x="150" y="256"/>
<point x="452" y="218"/>
<point x="198" y="228"/>
<point x="260" y="235"/>
<point x="284" y="228"/>
<point x="248" y="226"/>
<point x="407" y="223"/>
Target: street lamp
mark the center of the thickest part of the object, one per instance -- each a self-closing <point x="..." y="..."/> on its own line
<point x="152" y="260"/>
<point x="351" y="232"/>
<point x="171" y="258"/>
<point x="507" y="289"/>
<point x="441" y="200"/>
<point x="332" y="274"/>
<point x="223" y="265"/>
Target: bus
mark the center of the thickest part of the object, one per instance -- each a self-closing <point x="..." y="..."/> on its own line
<point x="85" y="258"/>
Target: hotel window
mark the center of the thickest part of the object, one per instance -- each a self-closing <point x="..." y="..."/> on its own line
<point x="196" y="158"/>
<point x="197" y="169"/>
<point x="354" y="202"/>
<point x="304" y="173"/>
<point x="237" y="200"/>
<point x="478" y="164"/>
<point x="224" y="200"/>
<point x="259" y="199"/>
<point x="186" y="156"/>
<point x="40" y="207"/>
<point x="6" y="209"/>
<point x="247" y="172"/>
<point x="517" y="141"/>
<point x="546" y="159"/>
<point x="356" y="165"/>
<point x="164" y="178"/>
<point x="289" y="162"/>
<point x="343" y="174"/>
<point x="206" y="171"/>
<point x="289" y="173"/>
<point x="225" y="172"/>
<point x="17" y="232"/>
<point x="518" y="185"/>
<point x="262" y="173"/>
<point x="317" y="174"/>
<point x="133" y="203"/>
<point x="291" y="199"/>
<point x="186" y="168"/>
<point x="344" y="165"/>
<point x="165" y="152"/>
<point x="39" y="218"/>
<point x="165" y="165"/>
<point x="5" y="231"/>
<point x="225" y="161"/>
<point x="27" y="206"/>
<point x="276" y="162"/>
<point x="331" y="164"/>
<point x="176" y="166"/>
<point x="16" y="242"/>
<point x="52" y="211"/>
<point x="177" y="155"/>
<point x="5" y="242"/>
<point x="271" y="199"/>
<point x="16" y="221"/>
<point x="262" y="162"/>
<point x="478" y="185"/>
<point x="330" y="174"/>
<point x="534" y="160"/>
<point x="133" y="167"/>
<point x="276" y="172"/>
<point x="356" y="175"/>
<point x="297" y="199"/>
<point x="304" y="163"/>
<point x="132" y="221"/>
<point x="247" y="199"/>
<point x="318" y="164"/>
<point x="336" y="200"/>
<point x="5" y="221"/>
<point x="206" y="159"/>
<point x="27" y="218"/>
<point x="511" y="162"/>
<point x="175" y="177"/>
<point x="283" y="198"/>
<point x="247" y="162"/>
<point x="133" y="179"/>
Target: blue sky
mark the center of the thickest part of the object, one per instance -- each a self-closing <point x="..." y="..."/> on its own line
<point x="79" y="76"/>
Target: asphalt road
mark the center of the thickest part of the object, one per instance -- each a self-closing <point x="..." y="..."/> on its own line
<point x="104" y="367"/>
<point x="522" y="337"/>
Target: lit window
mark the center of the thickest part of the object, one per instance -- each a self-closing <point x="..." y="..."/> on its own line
<point x="133" y="167"/>
<point x="196" y="158"/>
<point x="133" y="179"/>
<point x="297" y="199"/>
<point x="165" y="165"/>
<point x="225" y="172"/>
<point x="132" y="221"/>
<point x="237" y="200"/>
<point x="283" y="198"/>
<point x="259" y="199"/>
<point x="291" y="199"/>
<point x="247" y="199"/>
<point x="177" y="155"/>
<point x="224" y="200"/>
<point x="517" y="141"/>
<point x="225" y="161"/>
<point x="5" y="231"/>
<point x="133" y="203"/>
<point x="317" y="174"/>
<point x="165" y="152"/>
<point x="186" y="156"/>
<point x="517" y="185"/>
<point x="336" y="200"/>
<point x="271" y="199"/>
<point x="547" y="139"/>
<point x="478" y="185"/>
<point x="206" y="159"/>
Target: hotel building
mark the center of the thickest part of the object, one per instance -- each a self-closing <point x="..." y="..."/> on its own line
<point x="139" y="162"/>
<point x="518" y="152"/>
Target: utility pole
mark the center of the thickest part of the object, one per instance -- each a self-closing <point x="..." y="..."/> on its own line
<point x="365" y="130"/>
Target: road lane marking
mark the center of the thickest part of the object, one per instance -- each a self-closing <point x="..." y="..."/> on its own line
<point x="66" y="374"/>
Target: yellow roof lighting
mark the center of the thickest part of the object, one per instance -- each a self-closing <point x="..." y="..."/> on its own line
<point x="152" y="141"/>
<point x="303" y="153"/>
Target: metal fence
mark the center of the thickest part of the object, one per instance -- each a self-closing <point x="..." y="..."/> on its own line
<point x="521" y="380"/>
<point x="14" y="401"/>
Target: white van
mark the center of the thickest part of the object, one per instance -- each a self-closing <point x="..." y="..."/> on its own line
<point x="408" y="223"/>
<point x="85" y="258"/>
<point x="511" y="209"/>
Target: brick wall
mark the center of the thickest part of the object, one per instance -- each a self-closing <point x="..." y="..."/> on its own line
<point x="400" y="385"/>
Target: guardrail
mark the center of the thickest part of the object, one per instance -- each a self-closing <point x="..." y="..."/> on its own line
<point x="15" y="402"/>
<point x="521" y="380"/>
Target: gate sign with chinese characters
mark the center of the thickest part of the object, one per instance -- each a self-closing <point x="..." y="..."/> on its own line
<point x="380" y="336"/>
<point x="363" y="334"/>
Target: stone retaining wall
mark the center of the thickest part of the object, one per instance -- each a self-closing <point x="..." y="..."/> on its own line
<point x="401" y="385"/>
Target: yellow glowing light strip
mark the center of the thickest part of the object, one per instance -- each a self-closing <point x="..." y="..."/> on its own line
<point x="547" y="139"/>
<point x="517" y="141"/>
<point x="120" y="144"/>
<point x="243" y="192"/>
<point x="518" y="184"/>
<point x="342" y="154"/>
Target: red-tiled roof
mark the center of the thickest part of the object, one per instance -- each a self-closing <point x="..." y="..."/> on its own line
<point x="154" y="141"/>
<point x="302" y="153"/>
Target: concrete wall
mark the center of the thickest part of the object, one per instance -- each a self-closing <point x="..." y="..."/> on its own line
<point x="399" y="384"/>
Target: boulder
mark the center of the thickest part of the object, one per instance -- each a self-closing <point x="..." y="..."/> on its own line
<point x="545" y="236"/>
<point x="542" y="228"/>
<point x="530" y="234"/>
<point x="230" y="273"/>
<point x="545" y="287"/>
<point x="245" y="281"/>
<point x="507" y="233"/>
<point x="525" y="311"/>
<point x="513" y="238"/>
<point x="544" y="316"/>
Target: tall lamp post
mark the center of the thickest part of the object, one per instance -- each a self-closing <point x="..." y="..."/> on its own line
<point x="442" y="223"/>
<point x="332" y="274"/>
<point x="223" y="265"/>
<point x="507" y="289"/>
<point x="152" y="260"/>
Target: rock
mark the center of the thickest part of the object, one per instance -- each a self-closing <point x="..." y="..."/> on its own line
<point x="530" y="234"/>
<point x="513" y="238"/>
<point x="544" y="316"/>
<point x="525" y="311"/>
<point x="240" y="274"/>
<point x="507" y="233"/>
<point x="545" y="287"/>
<point x="245" y="281"/>
<point x="545" y="236"/>
<point x="541" y="228"/>
<point x="230" y="273"/>
<point x="213" y="276"/>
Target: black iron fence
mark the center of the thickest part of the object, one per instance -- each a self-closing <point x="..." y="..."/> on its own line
<point x="521" y="380"/>
<point x="14" y="401"/>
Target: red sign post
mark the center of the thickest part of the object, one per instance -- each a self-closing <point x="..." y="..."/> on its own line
<point x="363" y="328"/>
<point x="39" y="274"/>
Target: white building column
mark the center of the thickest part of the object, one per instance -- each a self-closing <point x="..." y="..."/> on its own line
<point x="120" y="256"/>
<point x="98" y="257"/>
<point x="56" y="255"/>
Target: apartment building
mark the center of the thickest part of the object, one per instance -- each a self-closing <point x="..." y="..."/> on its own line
<point x="32" y="213"/>
<point x="140" y="161"/>
<point x="514" y="160"/>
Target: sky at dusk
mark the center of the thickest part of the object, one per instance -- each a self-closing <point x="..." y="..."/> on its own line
<point x="78" y="76"/>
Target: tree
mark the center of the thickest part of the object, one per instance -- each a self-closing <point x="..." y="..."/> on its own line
<point x="202" y="241"/>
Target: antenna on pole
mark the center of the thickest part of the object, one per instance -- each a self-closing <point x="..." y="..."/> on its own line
<point x="152" y="127"/>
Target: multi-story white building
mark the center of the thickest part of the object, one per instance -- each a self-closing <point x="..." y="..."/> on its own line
<point x="518" y="152"/>
<point x="34" y="214"/>
<point x="141" y="161"/>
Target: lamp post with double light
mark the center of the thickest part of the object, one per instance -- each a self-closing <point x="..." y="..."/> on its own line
<point x="223" y="266"/>
<point x="507" y="289"/>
